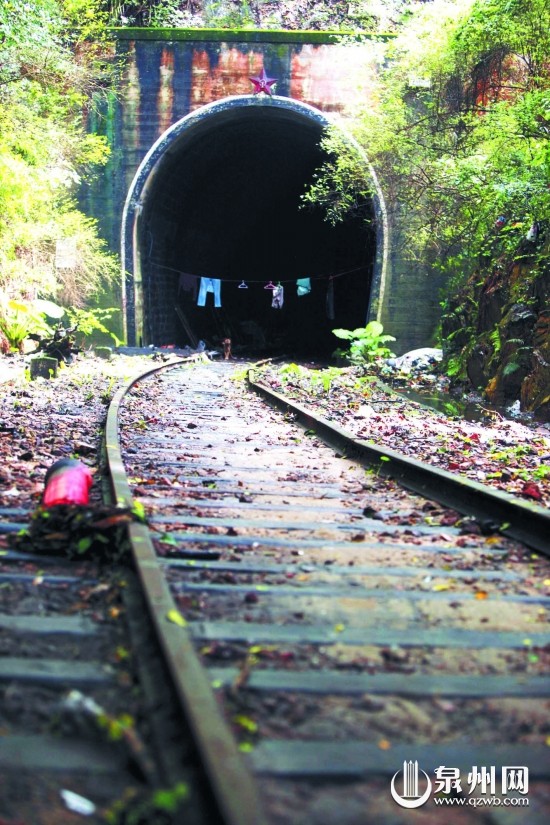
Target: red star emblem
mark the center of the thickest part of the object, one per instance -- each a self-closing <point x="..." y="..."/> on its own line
<point x="263" y="83"/>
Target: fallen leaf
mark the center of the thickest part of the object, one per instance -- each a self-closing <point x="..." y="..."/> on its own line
<point x="175" y="617"/>
<point x="112" y="521"/>
<point x="246" y="723"/>
<point x="121" y="653"/>
<point x="531" y="490"/>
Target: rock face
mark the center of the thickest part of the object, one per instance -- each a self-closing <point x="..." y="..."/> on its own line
<point x="497" y="330"/>
<point x="535" y="389"/>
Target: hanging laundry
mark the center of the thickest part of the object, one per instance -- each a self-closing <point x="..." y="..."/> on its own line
<point x="209" y="285"/>
<point x="278" y="297"/>
<point x="330" y="300"/>
<point x="303" y="286"/>
<point x="188" y="283"/>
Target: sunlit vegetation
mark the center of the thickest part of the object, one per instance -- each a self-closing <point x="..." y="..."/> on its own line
<point x="460" y="135"/>
<point x="459" y="139"/>
<point x="54" y="58"/>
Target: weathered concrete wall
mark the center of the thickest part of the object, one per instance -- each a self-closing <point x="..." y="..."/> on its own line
<point x="168" y="74"/>
<point x="411" y="307"/>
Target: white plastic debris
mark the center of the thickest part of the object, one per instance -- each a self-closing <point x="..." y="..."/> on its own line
<point x="418" y="358"/>
<point x="364" y="411"/>
<point x="77" y="701"/>
<point x="78" y="804"/>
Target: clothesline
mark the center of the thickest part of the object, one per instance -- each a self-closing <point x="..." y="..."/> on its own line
<point x="200" y="285"/>
<point x="261" y="280"/>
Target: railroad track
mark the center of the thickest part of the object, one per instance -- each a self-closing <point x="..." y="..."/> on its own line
<point x="83" y="731"/>
<point x="63" y="666"/>
<point x="324" y="627"/>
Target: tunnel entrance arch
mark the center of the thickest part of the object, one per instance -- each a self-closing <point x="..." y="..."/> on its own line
<point x="218" y="196"/>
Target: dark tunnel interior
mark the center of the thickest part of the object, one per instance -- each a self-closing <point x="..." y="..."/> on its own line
<point x="225" y="203"/>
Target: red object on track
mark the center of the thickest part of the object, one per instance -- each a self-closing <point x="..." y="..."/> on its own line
<point x="68" y="481"/>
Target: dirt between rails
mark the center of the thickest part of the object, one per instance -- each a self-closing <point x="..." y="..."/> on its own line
<point x="406" y="525"/>
<point x="30" y="797"/>
<point x="46" y="420"/>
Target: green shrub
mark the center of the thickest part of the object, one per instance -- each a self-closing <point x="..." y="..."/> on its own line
<point x="367" y="343"/>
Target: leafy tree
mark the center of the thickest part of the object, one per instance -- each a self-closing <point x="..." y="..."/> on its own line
<point x="49" y="68"/>
<point x="460" y="136"/>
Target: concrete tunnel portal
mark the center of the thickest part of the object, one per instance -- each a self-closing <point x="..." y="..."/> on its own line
<point x="219" y="196"/>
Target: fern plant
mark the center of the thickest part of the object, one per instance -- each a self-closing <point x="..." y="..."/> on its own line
<point x="18" y="320"/>
<point x="494" y="338"/>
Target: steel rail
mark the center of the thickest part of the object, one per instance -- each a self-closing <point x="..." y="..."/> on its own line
<point x="524" y="521"/>
<point x="224" y="452"/>
<point x="231" y="782"/>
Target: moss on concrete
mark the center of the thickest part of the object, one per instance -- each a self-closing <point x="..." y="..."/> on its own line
<point x="244" y="35"/>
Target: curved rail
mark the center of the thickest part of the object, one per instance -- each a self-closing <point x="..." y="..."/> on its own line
<point x="231" y="783"/>
<point x="521" y="520"/>
<point x="201" y="550"/>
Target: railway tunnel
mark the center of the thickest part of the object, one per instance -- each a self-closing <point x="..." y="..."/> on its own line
<point x="219" y="197"/>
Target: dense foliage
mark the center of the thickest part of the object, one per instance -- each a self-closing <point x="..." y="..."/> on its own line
<point x="461" y="133"/>
<point x="53" y="60"/>
<point x="460" y="143"/>
<point x="350" y="15"/>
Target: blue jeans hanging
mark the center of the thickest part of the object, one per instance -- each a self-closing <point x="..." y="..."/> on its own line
<point x="209" y="285"/>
